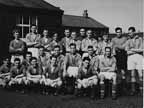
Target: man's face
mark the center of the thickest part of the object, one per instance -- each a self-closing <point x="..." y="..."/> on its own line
<point x="53" y="60"/>
<point x="67" y="33"/>
<point x="86" y="63"/>
<point x="34" y="62"/>
<point x="118" y="33"/>
<point x="45" y="33"/>
<point x="72" y="49"/>
<point x="28" y="57"/>
<point x="33" y="29"/>
<point x="107" y="52"/>
<point x="90" y="51"/>
<point x="131" y="33"/>
<point x="105" y="37"/>
<point x="56" y="51"/>
<point x="82" y="32"/>
<point x="16" y="35"/>
<point x="6" y="62"/>
<point x="41" y="51"/>
<point x="89" y="33"/>
<point x="17" y="63"/>
<point x="55" y="37"/>
<point x="73" y="35"/>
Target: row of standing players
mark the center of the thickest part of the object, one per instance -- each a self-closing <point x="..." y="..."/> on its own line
<point x="82" y="64"/>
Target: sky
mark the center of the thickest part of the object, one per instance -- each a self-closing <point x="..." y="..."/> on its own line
<point x="112" y="13"/>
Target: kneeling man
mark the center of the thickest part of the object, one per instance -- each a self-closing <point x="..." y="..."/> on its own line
<point x="52" y="76"/>
<point x="87" y="79"/>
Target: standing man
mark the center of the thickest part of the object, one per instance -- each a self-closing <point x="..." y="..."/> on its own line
<point x="134" y="62"/>
<point x="75" y="41"/>
<point x="45" y="41"/>
<point x="33" y="41"/>
<point x="82" y="34"/>
<point x="105" y="43"/>
<point x="65" y="40"/>
<point x="16" y="47"/>
<point x="119" y="51"/>
<point x="89" y="40"/>
<point x="107" y="67"/>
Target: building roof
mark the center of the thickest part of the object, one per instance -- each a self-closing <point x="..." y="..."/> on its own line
<point x="40" y="4"/>
<point x="81" y="21"/>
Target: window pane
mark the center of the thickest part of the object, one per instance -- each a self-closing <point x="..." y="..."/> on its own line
<point x="33" y="20"/>
<point x="25" y="19"/>
<point x="19" y="20"/>
<point x="25" y="31"/>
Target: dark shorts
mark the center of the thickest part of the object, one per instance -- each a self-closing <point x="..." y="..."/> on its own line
<point x="121" y="57"/>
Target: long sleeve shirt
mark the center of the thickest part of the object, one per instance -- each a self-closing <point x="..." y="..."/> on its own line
<point x="107" y="64"/>
<point x="134" y="45"/>
<point x="87" y="42"/>
<point x="17" y="47"/>
<point x="72" y="60"/>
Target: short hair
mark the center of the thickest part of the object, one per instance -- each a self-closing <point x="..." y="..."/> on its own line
<point x="53" y="56"/>
<point x="82" y="29"/>
<point x="41" y="47"/>
<point x="67" y="29"/>
<point x="118" y="28"/>
<point x="33" y="25"/>
<point x="132" y="28"/>
<point x="29" y="53"/>
<point x="56" y="46"/>
<point x="33" y="58"/>
<point x="16" y="59"/>
<point x="72" y="44"/>
<point x="90" y="46"/>
<point x="86" y="58"/>
<point x="108" y="48"/>
<point x="15" y="31"/>
<point x="89" y="30"/>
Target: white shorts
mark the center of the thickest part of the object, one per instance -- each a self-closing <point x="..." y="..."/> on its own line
<point x="72" y="71"/>
<point x="135" y="62"/>
<point x="34" y="52"/>
<point x="86" y="82"/>
<point x="16" y="81"/>
<point x="108" y="75"/>
<point x="143" y="63"/>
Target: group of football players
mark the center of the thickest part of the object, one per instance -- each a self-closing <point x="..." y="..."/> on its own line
<point x="79" y="63"/>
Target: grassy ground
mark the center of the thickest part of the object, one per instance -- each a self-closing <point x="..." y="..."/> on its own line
<point x="9" y="99"/>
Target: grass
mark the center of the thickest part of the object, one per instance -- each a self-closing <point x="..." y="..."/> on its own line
<point x="10" y="99"/>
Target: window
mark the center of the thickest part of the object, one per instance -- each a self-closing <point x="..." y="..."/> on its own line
<point x="24" y="23"/>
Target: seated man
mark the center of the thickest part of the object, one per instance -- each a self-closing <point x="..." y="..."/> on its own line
<point x="34" y="72"/>
<point x="87" y="79"/>
<point x="4" y="72"/>
<point x="71" y="65"/>
<point x="52" y="76"/>
<point x="26" y="60"/>
<point x="42" y="58"/>
<point x="107" y="67"/>
<point x="16" y="75"/>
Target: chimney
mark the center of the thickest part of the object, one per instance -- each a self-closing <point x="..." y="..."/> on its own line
<point x="85" y="14"/>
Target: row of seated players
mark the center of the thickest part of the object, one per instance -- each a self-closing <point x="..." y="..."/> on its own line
<point x="59" y="72"/>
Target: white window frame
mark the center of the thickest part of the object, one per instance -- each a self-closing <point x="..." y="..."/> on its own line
<point x="22" y="25"/>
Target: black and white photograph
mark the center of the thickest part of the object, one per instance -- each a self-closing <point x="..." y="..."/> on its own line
<point x="71" y="53"/>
